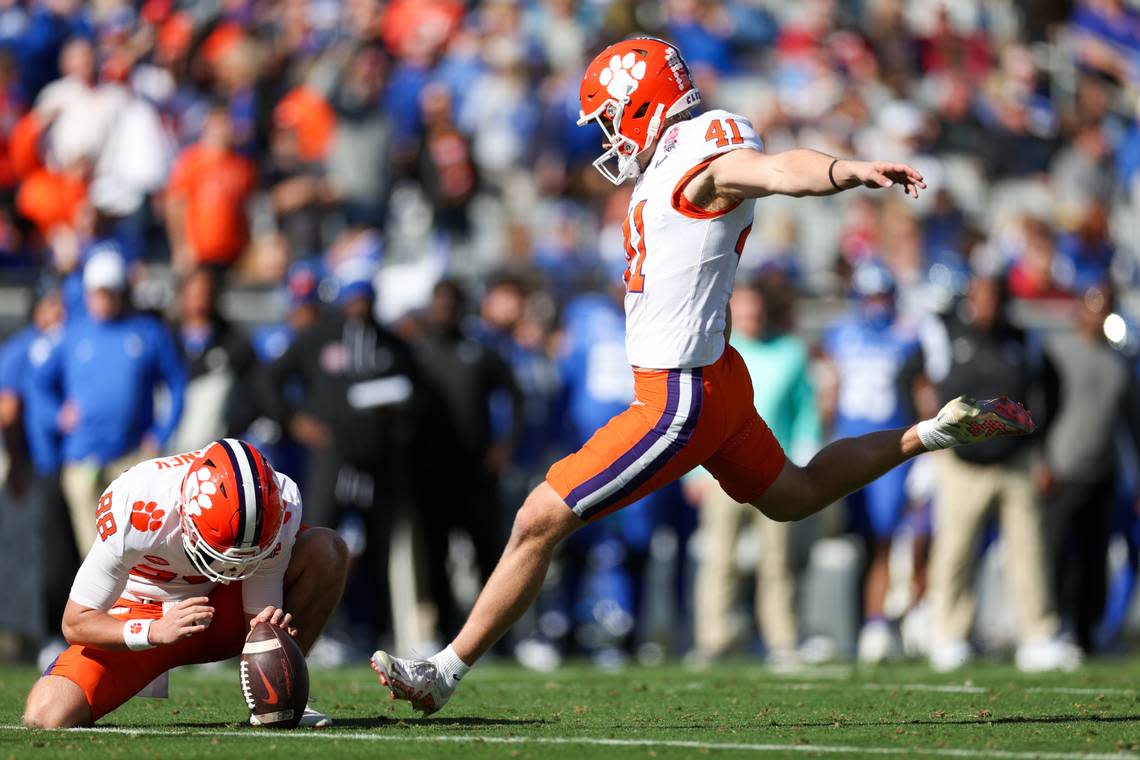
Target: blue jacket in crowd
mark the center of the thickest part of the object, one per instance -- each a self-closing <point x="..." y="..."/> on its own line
<point x="111" y="370"/>
<point x="25" y="361"/>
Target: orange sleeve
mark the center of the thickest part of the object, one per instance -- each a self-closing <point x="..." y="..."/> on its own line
<point x="23" y="144"/>
<point x="182" y="176"/>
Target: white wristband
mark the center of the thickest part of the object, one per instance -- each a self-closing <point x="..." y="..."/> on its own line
<point x="136" y="634"/>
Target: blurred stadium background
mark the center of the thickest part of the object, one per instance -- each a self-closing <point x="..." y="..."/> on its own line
<point x="376" y="247"/>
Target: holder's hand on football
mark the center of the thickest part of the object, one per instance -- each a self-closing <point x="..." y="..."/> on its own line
<point x="188" y="617"/>
<point x="275" y="616"/>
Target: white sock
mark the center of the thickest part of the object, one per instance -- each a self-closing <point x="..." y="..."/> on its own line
<point x="933" y="438"/>
<point x="449" y="665"/>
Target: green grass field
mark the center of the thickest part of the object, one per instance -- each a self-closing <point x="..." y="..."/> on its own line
<point x="664" y="712"/>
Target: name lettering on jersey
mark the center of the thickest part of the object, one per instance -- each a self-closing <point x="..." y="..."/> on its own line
<point x="197" y="491"/>
<point x="146" y="516"/>
<point x="177" y="460"/>
<point x="155" y="560"/>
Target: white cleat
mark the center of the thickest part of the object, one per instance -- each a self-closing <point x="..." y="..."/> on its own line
<point x="309" y="719"/>
<point x="417" y="681"/>
<point x="1045" y="654"/>
<point x="948" y="655"/>
<point x="965" y="420"/>
<point x="879" y="642"/>
<point x="915" y="631"/>
<point x="314" y="719"/>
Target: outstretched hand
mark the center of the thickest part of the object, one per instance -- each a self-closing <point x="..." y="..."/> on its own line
<point x="877" y="174"/>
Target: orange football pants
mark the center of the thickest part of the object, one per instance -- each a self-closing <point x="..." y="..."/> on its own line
<point x="110" y="678"/>
<point x="680" y="419"/>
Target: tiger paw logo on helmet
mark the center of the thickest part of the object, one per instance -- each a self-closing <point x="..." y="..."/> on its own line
<point x="622" y="76"/>
<point x="197" y="492"/>
<point x="146" y="516"/>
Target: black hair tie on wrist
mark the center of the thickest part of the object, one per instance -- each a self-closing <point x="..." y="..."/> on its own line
<point x="831" y="175"/>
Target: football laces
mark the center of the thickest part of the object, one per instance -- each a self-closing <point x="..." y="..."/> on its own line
<point x="246" y="691"/>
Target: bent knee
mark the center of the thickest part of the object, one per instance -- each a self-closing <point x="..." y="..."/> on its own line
<point x="55" y="705"/>
<point x="544" y="518"/>
<point x="324" y="543"/>
<point x="321" y="548"/>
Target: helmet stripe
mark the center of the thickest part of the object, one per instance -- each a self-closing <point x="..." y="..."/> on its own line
<point x="240" y="489"/>
<point x="260" y="488"/>
<point x="247" y="500"/>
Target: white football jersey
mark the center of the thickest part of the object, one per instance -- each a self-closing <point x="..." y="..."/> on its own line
<point x="138" y="552"/>
<point x="682" y="259"/>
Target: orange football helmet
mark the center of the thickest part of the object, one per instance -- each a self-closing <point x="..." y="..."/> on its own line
<point x="231" y="510"/>
<point x="630" y="89"/>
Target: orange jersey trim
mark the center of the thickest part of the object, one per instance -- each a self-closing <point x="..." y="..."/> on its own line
<point x="685" y="206"/>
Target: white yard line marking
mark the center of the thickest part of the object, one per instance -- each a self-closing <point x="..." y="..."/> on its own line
<point x="1074" y="690"/>
<point x="812" y="671"/>
<point x="947" y="688"/>
<point x="828" y="749"/>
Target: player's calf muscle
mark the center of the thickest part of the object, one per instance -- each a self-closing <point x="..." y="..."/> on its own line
<point x="840" y="468"/>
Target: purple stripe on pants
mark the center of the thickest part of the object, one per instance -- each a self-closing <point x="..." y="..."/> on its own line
<point x="625" y="460"/>
<point x="674" y="448"/>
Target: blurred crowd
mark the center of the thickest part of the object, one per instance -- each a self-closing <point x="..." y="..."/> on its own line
<point x="367" y="237"/>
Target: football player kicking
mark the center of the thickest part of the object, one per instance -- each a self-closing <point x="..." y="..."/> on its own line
<point x="688" y="218"/>
<point x="192" y="550"/>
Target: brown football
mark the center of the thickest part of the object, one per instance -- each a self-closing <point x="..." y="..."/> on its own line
<point x="274" y="677"/>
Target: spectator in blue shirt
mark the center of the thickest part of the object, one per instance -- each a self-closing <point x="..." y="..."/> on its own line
<point x="107" y="373"/>
<point x="871" y="352"/>
<point x="27" y="421"/>
<point x="26" y="403"/>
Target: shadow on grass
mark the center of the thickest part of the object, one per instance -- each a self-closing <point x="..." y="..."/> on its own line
<point x="378" y="721"/>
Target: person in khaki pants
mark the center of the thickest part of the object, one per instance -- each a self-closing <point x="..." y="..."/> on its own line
<point x="108" y="368"/>
<point x="83" y="484"/>
<point x="722" y="521"/>
<point x="761" y="320"/>
<point x="967" y="493"/>
<point x="982" y="353"/>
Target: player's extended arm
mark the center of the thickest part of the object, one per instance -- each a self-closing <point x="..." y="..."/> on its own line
<point x="748" y="173"/>
<point x="85" y="626"/>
